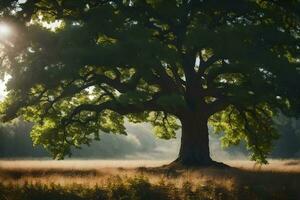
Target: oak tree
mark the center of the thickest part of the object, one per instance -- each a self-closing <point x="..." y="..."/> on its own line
<point x="78" y="67"/>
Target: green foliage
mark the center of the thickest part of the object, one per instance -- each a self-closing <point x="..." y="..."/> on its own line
<point x="107" y="60"/>
<point x="164" y="125"/>
<point x="252" y="125"/>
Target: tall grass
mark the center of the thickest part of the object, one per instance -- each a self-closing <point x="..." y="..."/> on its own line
<point x="20" y="180"/>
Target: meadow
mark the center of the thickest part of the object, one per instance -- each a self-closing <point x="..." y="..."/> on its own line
<point x="144" y="179"/>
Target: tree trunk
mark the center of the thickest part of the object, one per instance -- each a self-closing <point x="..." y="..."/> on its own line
<point x="194" y="149"/>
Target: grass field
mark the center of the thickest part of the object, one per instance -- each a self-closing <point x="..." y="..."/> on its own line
<point x="117" y="179"/>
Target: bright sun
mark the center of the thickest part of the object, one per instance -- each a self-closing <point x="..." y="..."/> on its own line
<point x="4" y="30"/>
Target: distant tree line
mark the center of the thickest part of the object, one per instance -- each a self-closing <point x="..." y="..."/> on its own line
<point x="15" y="141"/>
<point x="288" y="145"/>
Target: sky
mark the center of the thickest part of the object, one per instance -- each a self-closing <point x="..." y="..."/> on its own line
<point x="5" y="32"/>
<point x="3" y="91"/>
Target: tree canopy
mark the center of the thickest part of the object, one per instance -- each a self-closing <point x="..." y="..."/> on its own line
<point x="232" y="63"/>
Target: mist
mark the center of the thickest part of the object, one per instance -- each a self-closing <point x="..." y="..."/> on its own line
<point x="141" y="143"/>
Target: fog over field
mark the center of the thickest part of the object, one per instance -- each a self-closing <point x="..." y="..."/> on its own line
<point x="143" y="144"/>
<point x="140" y="143"/>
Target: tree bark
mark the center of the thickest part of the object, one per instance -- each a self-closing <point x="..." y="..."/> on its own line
<point x="194" y="149"/>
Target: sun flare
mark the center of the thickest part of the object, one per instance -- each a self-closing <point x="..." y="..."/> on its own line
<point x="5" y="30"/>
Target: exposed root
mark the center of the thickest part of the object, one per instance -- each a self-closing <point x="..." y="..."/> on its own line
<point x="177" y="167"/>
<point x="178" y="164"/>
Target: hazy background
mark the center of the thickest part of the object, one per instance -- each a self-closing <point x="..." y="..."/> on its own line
<point x="140" y="143"/>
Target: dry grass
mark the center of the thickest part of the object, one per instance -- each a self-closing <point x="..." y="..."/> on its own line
<point x="278" y="176"/>
<point x="274" y="165"/>
<point x="92" y="172"/>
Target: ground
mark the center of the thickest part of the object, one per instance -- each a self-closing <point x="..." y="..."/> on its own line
<point x="108" y="179"/>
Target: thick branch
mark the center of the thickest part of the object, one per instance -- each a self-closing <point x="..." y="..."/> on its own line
<point x="217" y="106"/>
<point x="116" y="107"/>
<point x="204" y="65"/>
